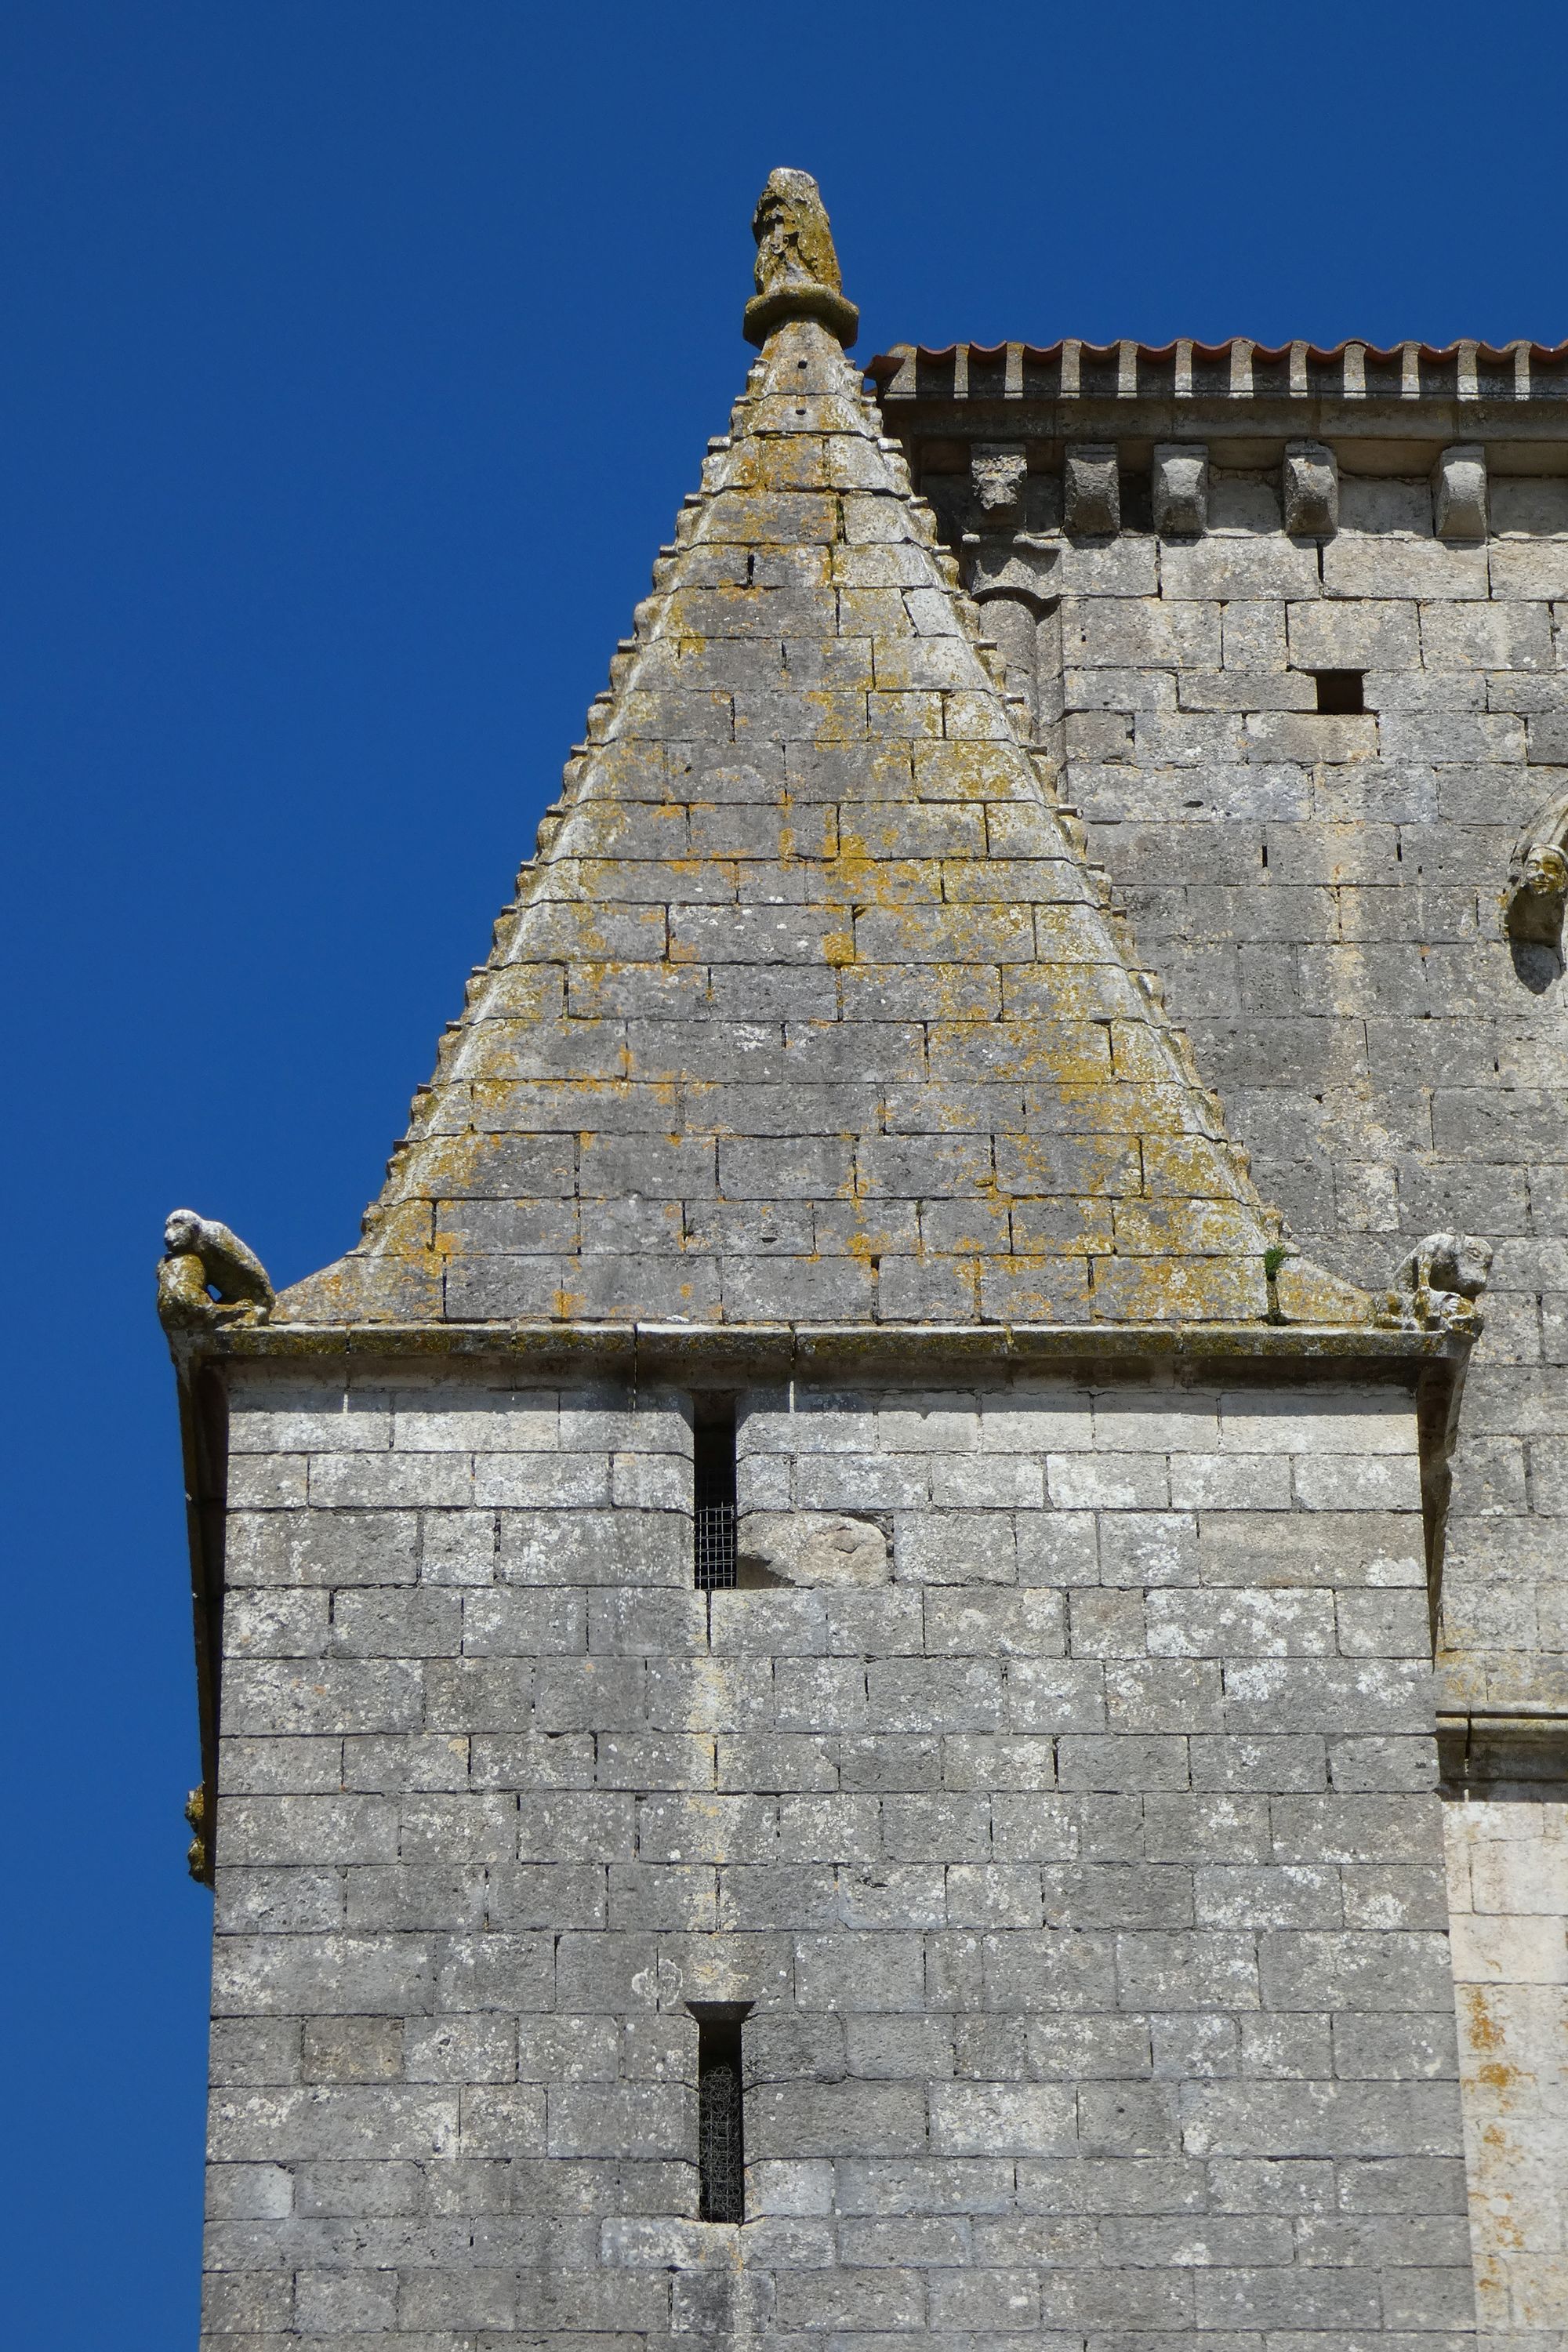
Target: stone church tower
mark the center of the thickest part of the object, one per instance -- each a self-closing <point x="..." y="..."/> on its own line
<point x="816" y="1656"/>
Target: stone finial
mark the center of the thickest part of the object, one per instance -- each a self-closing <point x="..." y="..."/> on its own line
<point x="200" y="1258"/>
<point x="1439" y="1286"/>
<point x="1311" y="490"/>
<point x="1538" y="877"/>
<point x="797" y="270"/>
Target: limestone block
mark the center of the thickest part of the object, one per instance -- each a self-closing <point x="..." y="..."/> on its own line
<point x="1242" y="501"/>
<point x="813" y="1548"/>
<point x="1535" y="505"/>
<point x="1181" y="489"/>
<point x="1376" y="503"/>
<point x="1124" y="566"/>
<point x="1254" y="637"/>
<point x="1376" y="636"/>
<point x="1505" y="634"/>
<point x="1459" y="492"/>
<point x="1370" y="565"/>
<point x="1244" y="567"/>
<point x="842" y="1806"/>
<point x="1091" y="491"/>
<point x="1311" y="490"/>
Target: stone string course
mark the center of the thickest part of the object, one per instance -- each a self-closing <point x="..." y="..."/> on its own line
<point x="1085" y="1875"/>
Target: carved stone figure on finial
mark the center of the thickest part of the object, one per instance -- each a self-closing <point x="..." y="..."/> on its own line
<point x="1439" y="1286"/>
<point x="207" y="1277"/>
<point x="1538" y="877"/>
<point x="797" y="270"/>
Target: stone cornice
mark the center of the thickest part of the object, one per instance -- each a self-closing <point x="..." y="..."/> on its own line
<point x="833" y="1348"/>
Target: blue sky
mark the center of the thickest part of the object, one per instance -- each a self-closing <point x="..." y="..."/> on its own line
<point x="357" y="356"/>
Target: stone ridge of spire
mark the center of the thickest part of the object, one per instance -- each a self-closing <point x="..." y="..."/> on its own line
<point x="808" y="1008"/>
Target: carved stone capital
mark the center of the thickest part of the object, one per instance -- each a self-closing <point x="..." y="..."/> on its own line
<point x="996" y="474"/>
<point x="1018" y="565"/>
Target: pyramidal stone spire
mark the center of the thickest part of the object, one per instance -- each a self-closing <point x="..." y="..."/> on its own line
<point x="808" y="1008"/>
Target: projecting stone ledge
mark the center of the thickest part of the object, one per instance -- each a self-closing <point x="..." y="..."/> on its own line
<point x="699" y="1355"/>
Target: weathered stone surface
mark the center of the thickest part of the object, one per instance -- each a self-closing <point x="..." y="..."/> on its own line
<point x="1311" y="490"/>
<point x="1366" y="952"/>
<point x="1091" y="491"/>
<point x="1080" y="1860"/>
<point x="1076" y="1856"/>
<point x="809" y="929"/>
<point x="1508" y="1876"/>
<point x="1181" y="488"/>
<point x="813" y="1548"/>
<point x="207" y="1277"/>
<point x="1459" y="492"/>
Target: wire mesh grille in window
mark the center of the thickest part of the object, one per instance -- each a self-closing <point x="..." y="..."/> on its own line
<point x="713" y="1538"/>
<point x="713" y="1497"/>
<point x="722" y="2158"/>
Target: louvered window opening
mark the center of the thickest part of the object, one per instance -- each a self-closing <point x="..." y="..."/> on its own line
<point x="713" y="1500"/>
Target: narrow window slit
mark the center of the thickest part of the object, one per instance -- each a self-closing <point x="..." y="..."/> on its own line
<point x="1340" y="691"/>
<point x="713" y="1495"/>
<point x="720" y="2116"/>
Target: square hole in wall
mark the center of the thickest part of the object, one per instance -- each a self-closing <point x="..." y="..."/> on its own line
<point x="1340" y="691"/>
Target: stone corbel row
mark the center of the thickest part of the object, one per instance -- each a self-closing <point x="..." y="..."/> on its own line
<point x="1092" y="489"/>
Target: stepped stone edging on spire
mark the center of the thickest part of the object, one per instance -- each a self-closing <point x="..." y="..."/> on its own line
<point x="808" y="1009"/>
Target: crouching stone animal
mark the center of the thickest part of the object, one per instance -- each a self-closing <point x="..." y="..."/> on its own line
<point x="207" y="1277"/>
<point x="1439" y="1286"/>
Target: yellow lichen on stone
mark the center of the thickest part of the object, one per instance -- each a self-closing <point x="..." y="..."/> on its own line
<point x="807" y="1007"/>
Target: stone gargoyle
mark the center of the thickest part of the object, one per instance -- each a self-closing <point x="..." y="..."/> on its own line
<point x="1439" y="1286"/>
<point x="1538" y="877"/>
<point x="207" y="1277"/>
<point x="797" y="268"/>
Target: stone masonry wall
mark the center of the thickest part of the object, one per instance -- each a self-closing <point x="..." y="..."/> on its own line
<point x="1083" y="1866"/>
<point x="1321" y="896"/>
<point x="1508" y="1892"/>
